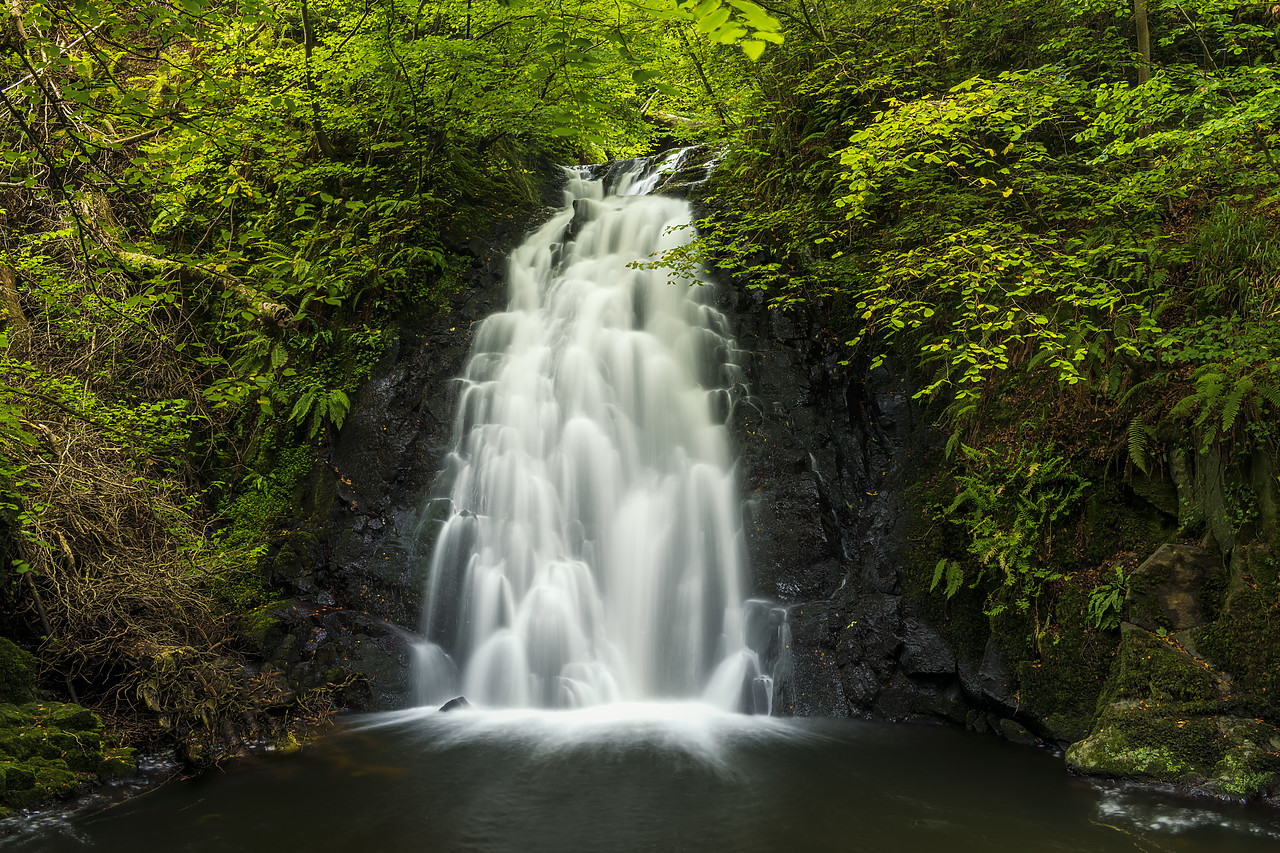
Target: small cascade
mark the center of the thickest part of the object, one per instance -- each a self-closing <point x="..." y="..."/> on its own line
<point x="593" y="551"/>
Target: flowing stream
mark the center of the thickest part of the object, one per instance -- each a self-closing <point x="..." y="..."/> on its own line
<point x="593" y="553"/>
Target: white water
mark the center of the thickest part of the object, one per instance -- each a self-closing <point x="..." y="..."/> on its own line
<point x="593" y="552"/>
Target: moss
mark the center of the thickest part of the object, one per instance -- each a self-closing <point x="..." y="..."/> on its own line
<point x="1225" y="755"/>
<point x="1148" y="669"/>
<point x="11" y="716"/>
<point x="960" y="619"/>
<point x="71" y="717"/>
<point x="17" y="673"/>
<point x="1060" y="679"/>
<point x="50" y="750"/>
<point x="1114" y="524"/>
<point x="1245" y="642"/>
<point x="118" y="763"/>
<point x="1165" y="716"/>
<point x="262" y="631"/>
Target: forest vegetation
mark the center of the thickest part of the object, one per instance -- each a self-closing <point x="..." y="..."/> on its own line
<point x="1059" y="217"/>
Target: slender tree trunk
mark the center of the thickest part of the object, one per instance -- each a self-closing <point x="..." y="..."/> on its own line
<point x="1144" y="39"/>
<point x="308" y="44"/>
<point x="14" y="319"/>
<point x="12" y="33"/>
<point x="706" y="84"/>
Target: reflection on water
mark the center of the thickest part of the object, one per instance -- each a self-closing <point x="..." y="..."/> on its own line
<point x="654" y="777"/>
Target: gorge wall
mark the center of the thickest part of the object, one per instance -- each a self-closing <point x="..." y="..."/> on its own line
<point x="842" y="479"/>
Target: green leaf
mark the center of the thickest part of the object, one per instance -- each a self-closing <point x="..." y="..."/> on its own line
<point x="712" y="22"/>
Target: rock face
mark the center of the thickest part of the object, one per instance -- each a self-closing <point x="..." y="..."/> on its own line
<point x="1168" y="715"/>
<point x="824" y="462"/>
<point x="838" y="475"/>
<point x="1167" y="590"/>
<point x="353" y="566"/>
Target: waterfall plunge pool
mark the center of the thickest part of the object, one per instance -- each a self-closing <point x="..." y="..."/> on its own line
<point x="651" y="777"/>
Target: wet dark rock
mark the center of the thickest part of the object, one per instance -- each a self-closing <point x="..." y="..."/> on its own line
<point x="1166" y="591"/>
<point x="924" y="651"/>
<point x="362" y="533"/>
<point x="815" y="689"/>
<point x="457" y="703"/>
<point x="986" y="681"/>
<point x="365" y="657"/>
<point x="1014" y="731"/>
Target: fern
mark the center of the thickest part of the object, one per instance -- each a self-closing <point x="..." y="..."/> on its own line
<point x="952" y="572"/>
<point x="1231" y="407"/>
<point x="1009" y="503"/>
<point x="1186" y="406"/>
<point x="1140" y="436"/>
<point x="1162" y="379"/>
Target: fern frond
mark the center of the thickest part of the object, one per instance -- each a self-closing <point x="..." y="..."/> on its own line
<point x="1231" y="407"/>
<point x="1186" y="405"/>
<point x="1268" y="392"/>
<point x="1162" y="379"/>
<point x="1140" y="436"/>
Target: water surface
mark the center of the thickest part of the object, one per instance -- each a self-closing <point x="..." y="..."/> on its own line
<point x="680" y="777"/>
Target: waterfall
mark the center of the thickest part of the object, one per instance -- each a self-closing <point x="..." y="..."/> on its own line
<point x="593" y="551"/>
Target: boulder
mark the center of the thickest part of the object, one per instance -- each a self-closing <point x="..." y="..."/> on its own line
<point x="1168" y="591"/>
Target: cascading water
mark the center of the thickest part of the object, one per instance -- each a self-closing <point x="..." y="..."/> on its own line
<point x="593" y="551"/>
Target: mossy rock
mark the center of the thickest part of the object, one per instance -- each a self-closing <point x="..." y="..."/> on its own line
<point x="1115" y="524"/>
<point x="11" y="716"/>
<point x="1222" y="754"/>
<point x="1059" y="682"/>
<point x="1175" y="588"/>
<point x="1167" y="716"/>
<point x="1245" y="641"/>
<point x="262" y="629"/>
<point x="70" y="718"/>
<point x="49" y="750"/>
<point x="118" y="763"/>
<point x="15" y="777"/>
<point x="17" y="673"/>
<point x="1150" y="669"/>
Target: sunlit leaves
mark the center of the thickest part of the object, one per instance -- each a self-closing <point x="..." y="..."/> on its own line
<point x="738" y="22"/>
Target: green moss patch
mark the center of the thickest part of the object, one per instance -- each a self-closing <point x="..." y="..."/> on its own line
<point x="17" y="673"/>
<point x="1167" y="717"/>
<point x="1150" y="669"/>
<point x="1060" y="679"/>
<point x="1229" y="756"/>
<point x="1246" y="640"/>
<point x="49" y="750"/>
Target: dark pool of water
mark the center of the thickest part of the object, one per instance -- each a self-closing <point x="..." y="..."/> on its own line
<point x="678" y="778"/>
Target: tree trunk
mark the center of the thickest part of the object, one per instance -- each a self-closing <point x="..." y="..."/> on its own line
<point x="308" y="43"/>
<point x="1144" y="40"/>
<point x="14" y="319"/>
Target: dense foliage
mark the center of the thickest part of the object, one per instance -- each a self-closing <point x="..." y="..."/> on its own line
<point x="1076" y="239"/>
<point x="213" y="212"/>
